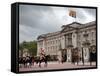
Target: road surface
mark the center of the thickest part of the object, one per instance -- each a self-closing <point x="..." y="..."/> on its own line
<point x="56" y="65"/>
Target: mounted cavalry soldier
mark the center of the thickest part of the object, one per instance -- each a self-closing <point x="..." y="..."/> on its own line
<point x="42" y="58"/>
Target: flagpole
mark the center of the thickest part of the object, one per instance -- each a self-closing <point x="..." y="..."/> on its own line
<point x="74" y="19"/>
<point x="74" y="16"/>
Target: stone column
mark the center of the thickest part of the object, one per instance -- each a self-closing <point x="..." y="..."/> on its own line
<point x="86" y="54"/>
<point x="63" y="42"/>
<point x="74" y="39"/>
<point x="69" y="55"/>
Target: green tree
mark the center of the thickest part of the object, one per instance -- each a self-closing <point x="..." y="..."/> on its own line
<point x="31" y="46"/>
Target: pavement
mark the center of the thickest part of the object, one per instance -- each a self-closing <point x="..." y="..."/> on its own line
<point x="56" y="65"/>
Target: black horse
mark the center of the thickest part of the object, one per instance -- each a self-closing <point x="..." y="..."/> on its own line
<point x="26" y="62"/>
<point x="22" y="62"/>
<point x="43" y="59"/>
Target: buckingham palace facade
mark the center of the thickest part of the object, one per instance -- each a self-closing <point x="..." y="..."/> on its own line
<point x="71" y="36"/>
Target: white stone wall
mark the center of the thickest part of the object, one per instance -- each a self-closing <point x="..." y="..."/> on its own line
<point x="56" y="42"/>
<point x="50" y="45"/>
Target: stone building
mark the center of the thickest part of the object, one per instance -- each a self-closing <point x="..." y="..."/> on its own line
<point x="24" y="53"/>
<point x="71" y="36"/>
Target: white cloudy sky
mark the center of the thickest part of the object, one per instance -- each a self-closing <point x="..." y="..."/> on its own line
<point x="36" y="20"/>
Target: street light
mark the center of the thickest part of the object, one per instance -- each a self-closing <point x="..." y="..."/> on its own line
<point x="82" y="56"/>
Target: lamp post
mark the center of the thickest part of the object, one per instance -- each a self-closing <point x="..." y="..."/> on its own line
<point x="92" y="54"/>
<point x="82" y="56"/>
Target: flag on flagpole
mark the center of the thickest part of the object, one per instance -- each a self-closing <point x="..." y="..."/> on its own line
<point x="72" y="13"/>
<point x="42" y="50"/>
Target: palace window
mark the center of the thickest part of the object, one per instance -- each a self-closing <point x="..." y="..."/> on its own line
<point x="56" y="41"/>
<point x="92" y="34"/>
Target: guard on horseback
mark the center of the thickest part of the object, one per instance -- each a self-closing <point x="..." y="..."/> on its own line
<point x="42" y="58"/>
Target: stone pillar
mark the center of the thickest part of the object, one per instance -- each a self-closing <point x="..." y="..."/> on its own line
<point x="43" y="44"/>
<point x="63" y="42"/>
<point x="86" y="54"/>
<point x="66" y="41"/>
<point x="69" y="57"/>
<point x="74" y="39"/>
<point x="59" y="55"/>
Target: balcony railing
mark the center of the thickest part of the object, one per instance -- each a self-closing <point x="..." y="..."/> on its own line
<point x="85" y="35"/>
<point x="70" y="45"/>
<point x="86" y="43"/>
